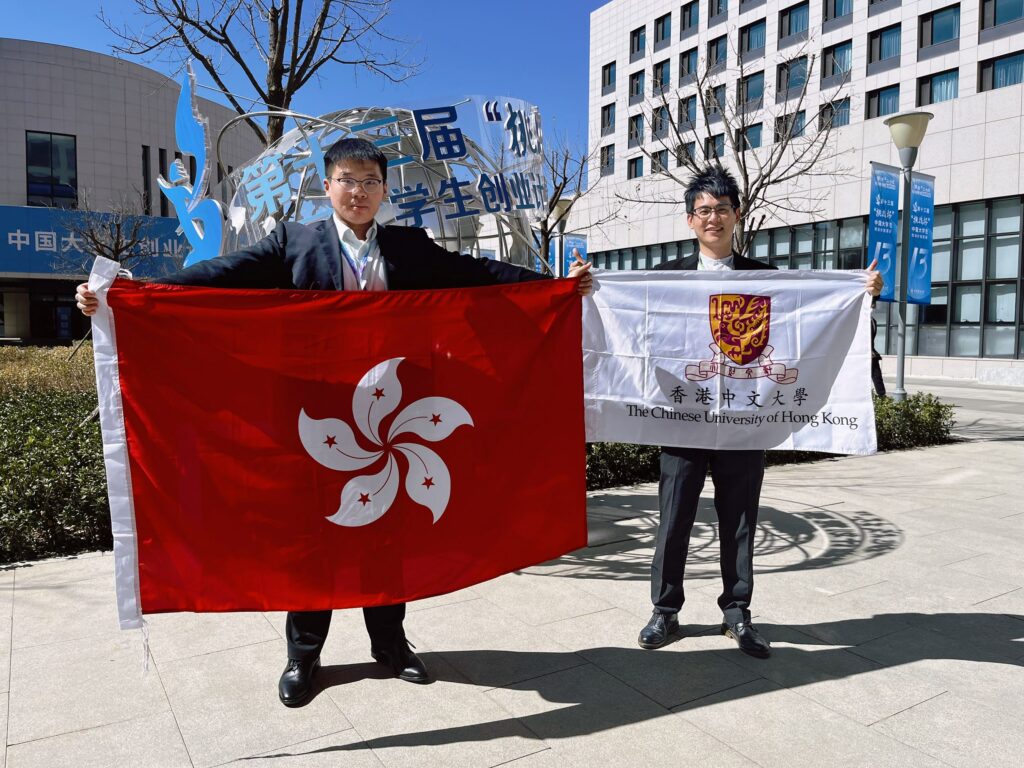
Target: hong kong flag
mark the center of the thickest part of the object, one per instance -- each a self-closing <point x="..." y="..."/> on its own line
<point x="300" y="450"/>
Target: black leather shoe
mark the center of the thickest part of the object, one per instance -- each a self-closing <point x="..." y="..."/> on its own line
<point x="658" y="629"/>
<point x="403" y="662"/>
<point x="748" y="639"/>
<point x="296" y="683"/>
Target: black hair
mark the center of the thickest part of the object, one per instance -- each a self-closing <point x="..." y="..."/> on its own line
<point x="359" y="150"/>
<point x="714" y="181"/>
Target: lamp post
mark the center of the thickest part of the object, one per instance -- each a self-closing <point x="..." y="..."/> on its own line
<point x="561" y="211"/>
<point x="907" y="132"/>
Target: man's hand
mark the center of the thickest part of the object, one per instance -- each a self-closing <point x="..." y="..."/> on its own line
<point x="581" y="269"/>
<point x="87" y="301"/>
<point x="874" y="281"/>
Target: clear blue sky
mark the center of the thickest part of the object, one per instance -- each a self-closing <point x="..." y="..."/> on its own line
<point x="536" y="50"/>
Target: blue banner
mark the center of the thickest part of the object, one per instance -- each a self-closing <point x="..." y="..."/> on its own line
<point x="922" y="223"/>
<point x="579" y="242"/>
<point x="885" y="193"/>
<point x="48" y="242"/>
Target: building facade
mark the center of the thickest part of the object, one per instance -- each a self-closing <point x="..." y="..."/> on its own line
<point x="80" y="129"/>
<point x="852" y="63"/>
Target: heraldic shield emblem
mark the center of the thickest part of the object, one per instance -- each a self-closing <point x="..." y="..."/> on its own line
<point x="740" y="324"/>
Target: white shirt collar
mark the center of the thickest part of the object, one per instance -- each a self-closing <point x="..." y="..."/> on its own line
<point x="348" y="237"/>
<point x="708" y="263"/>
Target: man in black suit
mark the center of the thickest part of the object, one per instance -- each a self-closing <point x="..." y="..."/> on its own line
<point x="348" y="251"/>
<point x="712" y="205"/>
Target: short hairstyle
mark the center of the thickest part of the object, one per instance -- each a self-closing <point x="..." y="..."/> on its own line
<point x="359" y="150"/>
<point x="714" y="181"/>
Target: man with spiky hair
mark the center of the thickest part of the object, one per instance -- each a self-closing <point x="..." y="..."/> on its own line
<point x="712" y="209"/>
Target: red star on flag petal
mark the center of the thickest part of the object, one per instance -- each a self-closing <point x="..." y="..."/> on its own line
<point x="378" y="393"/>
<point x="330" y="441"/>
<point x="364" y="499"/>
<point x="427" y="482"/>
<point x="435" y="419"/>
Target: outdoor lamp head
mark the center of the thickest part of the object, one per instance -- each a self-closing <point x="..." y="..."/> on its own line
<point x="907" y="130"/>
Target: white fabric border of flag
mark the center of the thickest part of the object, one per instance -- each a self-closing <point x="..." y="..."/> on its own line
<point x="115" y="450"/>
<point x="647" y="332"/>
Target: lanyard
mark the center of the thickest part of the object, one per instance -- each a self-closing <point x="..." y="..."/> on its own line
<point x="357" y="265"/>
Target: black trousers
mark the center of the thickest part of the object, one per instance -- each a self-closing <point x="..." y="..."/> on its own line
<point x="737" y="476"/>
<point x="307" y="630"/>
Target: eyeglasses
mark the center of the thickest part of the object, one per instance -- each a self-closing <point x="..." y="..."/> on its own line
<point x="368" y="185"/>
<point x="705" y="211"/>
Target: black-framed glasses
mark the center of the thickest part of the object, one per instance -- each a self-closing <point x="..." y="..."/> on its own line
<point x="368" y="185"/>
<point x="705" y="211"/>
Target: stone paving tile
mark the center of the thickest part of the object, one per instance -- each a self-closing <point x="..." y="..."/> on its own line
<point x="227" y="707"/>
<point x="343" y="748"/>
<point x="4" y="708"/>
<point x="1011" y="604"/>
<point x="782" y="728"/>
<point x="175" y="636"/>
<point x="927" y="591"/>
<point x="959" y="732"/>
<point x="539" y="600"/>
<point x="87" y="608"/>
<point x="63" y="687"/>
<point x="89" y="565"/>
<point x="589" y="718"/>
<point x="450" y="722"/>
<point x="490" y="647"/>
<point x="1003" y="570"/>
<point x="145" y="742"/>
<point x="6" y="611"/>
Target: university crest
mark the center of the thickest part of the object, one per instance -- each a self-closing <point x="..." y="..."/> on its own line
<point x="740" y="325"/>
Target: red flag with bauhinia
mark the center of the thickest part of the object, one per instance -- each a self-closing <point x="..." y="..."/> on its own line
<point x="301" y="450"/>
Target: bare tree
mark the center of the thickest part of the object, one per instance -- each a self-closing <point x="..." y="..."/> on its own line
<point x="801" y="146"/>
<point x="293" y="41"/>
<point x="566" y="169"/>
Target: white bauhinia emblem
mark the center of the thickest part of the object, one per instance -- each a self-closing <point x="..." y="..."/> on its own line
<point x="332" y="442"/>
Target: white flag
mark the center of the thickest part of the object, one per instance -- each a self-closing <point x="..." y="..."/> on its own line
<point x="730" y="360"/>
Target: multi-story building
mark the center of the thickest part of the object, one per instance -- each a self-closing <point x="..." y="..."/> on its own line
<point x="854" y="62"/>
<point x="80" y="128"/>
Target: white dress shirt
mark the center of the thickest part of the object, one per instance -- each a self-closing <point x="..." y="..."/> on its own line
<point x="707" y="263"/>
<point x="362" y="267"/>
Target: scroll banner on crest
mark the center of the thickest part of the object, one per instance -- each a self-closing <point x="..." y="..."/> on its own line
<point x="323" y="450"/>
<point x="730" y="360"/>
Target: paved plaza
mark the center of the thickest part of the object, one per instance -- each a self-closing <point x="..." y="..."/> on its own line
<point x="891" y="586"/>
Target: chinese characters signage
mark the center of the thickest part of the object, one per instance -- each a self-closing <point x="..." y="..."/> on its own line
<point x="922" y="220"/>
<point x="882" y="223"/>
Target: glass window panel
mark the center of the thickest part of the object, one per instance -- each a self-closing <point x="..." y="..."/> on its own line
<point x="972" y="219"/>
<point x="889" y="100"/>
<point x="1003" y="256"/>
<point x="937" y="312"/>
<point x="780" y="262"/>
<point x="781" y="242"/>
<point x="802" y="261"/>
<point x="1008" y="71"/>
<point x="627" y="258"/>
<point x="999" y="340"/>
<point x="890" y="43"/>
<point x="945" y="25"/>
<point x="932" y="341"/>
<point x="1006" y="216"/>
<point x="825" y="260"/>
<point x="825" y="236"/>
<point x="943" y="223"/>
<point x="944" y="86"/>
<point x="804" y="239"/>
<point x="1001" y="306"/>
<point x="967" y="304"/>
<point x="940" y="262"/>
<point x="964" y="342"/>
<point x="972" y="259"/>
<point x="851" y="235"/>
<point x="760" y="248"/>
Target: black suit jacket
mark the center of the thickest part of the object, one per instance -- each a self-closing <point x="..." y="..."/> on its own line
<point x="690" y="262"/>
<point x="309" y="258"/>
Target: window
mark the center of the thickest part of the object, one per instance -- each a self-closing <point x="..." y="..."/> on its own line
<point x="717" y="8"/>
<point x="607" y="159"/>
<point x="716" y="99"/>
<point x="884" y="101"/>
<point x="687" y="64"/>
<point x="607" y="119"/>
<point x="792" y="75"/>
<point x="941" y="86"/>
<point x="793" y="20"/>
<point x="752" y="136"/>
<point x="636" y="87"/>
<point x="162" y="161"/>
<point x="607" y="78"/>
<point x="996" y="12"/>
<point x="690" y="16"/>
<point x="687" y="112"/>
<point x="659" y="122"/>
<point x="1001" y="71"/>
<point x="834" y="115"/>
<point x="714" y="146"/>
<point x="662" y="76"/>
<point x="750" y="91"/>
<point x="837" y="59"/>
<point x="717" y="52"/>
<point x="636" y="131"/>
<point x="635" y="168"/>
<point x="637" y="43"/>
<point x="940" y="26"/>
<point x="147" y="183"/>
<point x="659" y="161"/>
<point x="789" y="126"/>
<point x="662" y="31"/>
<point x="51" y="169"/>
<point x="884" y="44"/>
<point x="836" y="9"/>
<point x="752" y="37"/>
<point x="686" y="151"/>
